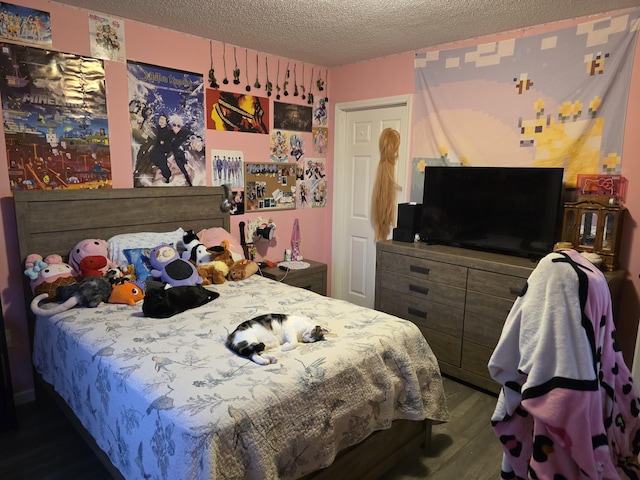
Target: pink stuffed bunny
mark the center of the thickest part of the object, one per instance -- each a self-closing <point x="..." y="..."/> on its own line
<point x="91" y="247"/>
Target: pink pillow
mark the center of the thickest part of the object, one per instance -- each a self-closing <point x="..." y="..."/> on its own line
<point x="212" y="237"/>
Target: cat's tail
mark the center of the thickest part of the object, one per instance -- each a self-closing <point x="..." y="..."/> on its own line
<point x="49" y="312"/>
<point x="253" y="351"/>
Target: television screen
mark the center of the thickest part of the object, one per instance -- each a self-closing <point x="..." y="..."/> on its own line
<point x="502" y="209"/>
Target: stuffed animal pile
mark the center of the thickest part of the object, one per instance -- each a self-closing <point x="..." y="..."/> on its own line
<point x="215" y="263"/>
<point x="100" y="280"/>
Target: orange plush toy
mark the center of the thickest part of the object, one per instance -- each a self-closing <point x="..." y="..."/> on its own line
<point x="126" y="292"/>
<point x="242" y="269"/>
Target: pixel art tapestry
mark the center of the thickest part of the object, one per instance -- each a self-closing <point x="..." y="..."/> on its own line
<point x="556" y="99"/>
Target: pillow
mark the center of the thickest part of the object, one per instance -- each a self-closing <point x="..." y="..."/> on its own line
<point x="212" y="237"/>
<point x="124" y="241"/>
<point x="139" y="258"/>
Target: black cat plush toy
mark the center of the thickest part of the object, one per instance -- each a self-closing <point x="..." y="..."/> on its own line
<point x="167" y="302"/>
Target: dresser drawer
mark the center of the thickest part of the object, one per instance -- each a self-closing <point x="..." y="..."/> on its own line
<point x="488" y="305"/>
<point x="475" y="359"/>
<point x="423" y="289"/>
<point x="482" y="330"/>
<point x="498" y="285"/>
<point x="446" y="348"/>
<point x="428" y="314"/>
<point x="422" y="269"/>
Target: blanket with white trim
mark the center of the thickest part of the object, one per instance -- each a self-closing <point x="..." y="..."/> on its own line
<point x="568" y="408"/>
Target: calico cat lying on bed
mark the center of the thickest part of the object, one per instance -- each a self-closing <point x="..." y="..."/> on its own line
<point x="268" y="331"/>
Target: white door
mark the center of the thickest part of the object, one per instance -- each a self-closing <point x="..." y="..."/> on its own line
<point x="357" y="153"/>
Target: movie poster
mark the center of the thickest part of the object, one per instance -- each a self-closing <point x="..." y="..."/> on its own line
<point x="55" y="119"/>
<point x="166" y="109"/>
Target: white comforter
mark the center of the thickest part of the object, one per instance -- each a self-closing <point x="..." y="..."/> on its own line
<point x="165" y="399"/>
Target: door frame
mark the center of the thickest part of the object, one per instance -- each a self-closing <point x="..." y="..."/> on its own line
<point x="340" y="193"/>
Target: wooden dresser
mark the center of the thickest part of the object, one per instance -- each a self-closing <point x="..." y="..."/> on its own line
<point x="459" y="299"/>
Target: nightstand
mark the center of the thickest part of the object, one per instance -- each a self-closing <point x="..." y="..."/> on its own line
<point x="313" y="278"/>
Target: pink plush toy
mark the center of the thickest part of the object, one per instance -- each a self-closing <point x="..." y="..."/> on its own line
<point x="91" y="247"/>
<point x="47" y="274"/>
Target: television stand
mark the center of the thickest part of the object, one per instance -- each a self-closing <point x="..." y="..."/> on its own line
<point x="459" y="298"/>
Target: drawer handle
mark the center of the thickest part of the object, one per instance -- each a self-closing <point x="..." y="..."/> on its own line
<point x="417" y="269"/>
<point x="515" y="290"/>
<point x="417" y="313"/>
<point x="419" y="289"/>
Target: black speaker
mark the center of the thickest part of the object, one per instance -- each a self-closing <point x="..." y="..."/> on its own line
<point x="409" y="217"/>
<point x="403" y="235"/>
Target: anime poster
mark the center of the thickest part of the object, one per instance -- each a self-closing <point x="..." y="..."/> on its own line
<point x="320" y="115"/>
<point x="279" y="146"/>
<point x="296" y="147"/>
<point x="316" y="177"/>
<point x="227" y="167"/>
<point x="237" y="112"/>
<point x="285" y="146"/>
<point x="320" y="140"/>
<point x="165" y="111"/>
<point x="319" y="193"/>
<point x="106" y="37"/>
<point x="303" y="193"/>
<point x="24" y="25"/>
<point x="55" y="119"/>
<point x="287" y="116"/>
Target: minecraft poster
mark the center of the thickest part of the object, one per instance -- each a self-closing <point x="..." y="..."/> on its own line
<point x="555" y="99"/>
<point x="55" y="119"/>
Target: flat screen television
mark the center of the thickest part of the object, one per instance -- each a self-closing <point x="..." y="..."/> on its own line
<point x="500" y="209"/>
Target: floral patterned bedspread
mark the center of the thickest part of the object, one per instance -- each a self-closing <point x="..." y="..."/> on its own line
<point x="165" y="399"/>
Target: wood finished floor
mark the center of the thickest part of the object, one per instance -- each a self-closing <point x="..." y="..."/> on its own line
<point x="46" y="447"/>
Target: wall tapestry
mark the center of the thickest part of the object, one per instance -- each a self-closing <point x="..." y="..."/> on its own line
<point x="55" y="119"/>
<point x="25" y="25"/>
<point x="237" y="112"/>
<point x="166" y="109"/>
<point x="556" y="99"/>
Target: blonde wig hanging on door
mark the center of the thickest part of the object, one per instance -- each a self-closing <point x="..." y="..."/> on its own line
<point x="383" y="196"/>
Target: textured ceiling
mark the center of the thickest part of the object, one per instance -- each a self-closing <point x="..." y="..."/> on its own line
<point x="337" y="32"/>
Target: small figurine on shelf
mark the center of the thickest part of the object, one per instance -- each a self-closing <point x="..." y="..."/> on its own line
<point x="295" y="241"/>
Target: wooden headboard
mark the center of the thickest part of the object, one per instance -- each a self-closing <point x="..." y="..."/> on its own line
<point x="54" y="221"/>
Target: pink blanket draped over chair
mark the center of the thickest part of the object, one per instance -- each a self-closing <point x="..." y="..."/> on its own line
<point x="568" y="408"/>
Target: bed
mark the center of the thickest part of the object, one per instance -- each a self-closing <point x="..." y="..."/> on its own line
<point x="164" y="398"/>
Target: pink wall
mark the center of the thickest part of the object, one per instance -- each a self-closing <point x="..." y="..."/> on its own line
<point x="393" y="75"/>
<point x="148" y="44"/>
